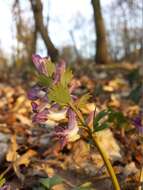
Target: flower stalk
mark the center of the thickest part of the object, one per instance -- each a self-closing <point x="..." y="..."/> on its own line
<point x="100" y="149"/>
<point x="107" y="163"/>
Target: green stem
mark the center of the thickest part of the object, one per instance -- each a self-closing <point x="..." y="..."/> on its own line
<point x="107" y="163"/>
<point x="101" y="150"/>
<point x="140" y="179"/>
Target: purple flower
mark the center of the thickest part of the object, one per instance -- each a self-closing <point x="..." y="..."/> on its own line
<point x="137" y="121"/>
<point x="41" y="117"/>
<point x="60" y="69"/>
<point x="34" y="107"/>
<point x="5" y="187"/>
<point x="37" y="60"/>
<point x="72" y="119"/>
<point x="60" y="134"/>
<point x="68" y="133"/>
<point x="40" y="63"/>
<point x="36" y="92"/>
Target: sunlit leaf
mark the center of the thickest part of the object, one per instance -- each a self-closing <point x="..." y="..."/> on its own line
<point x="66" y="77"/>
<point x="2" y="181"/>
<point x="59" y="94"/>
<point x="82" y="101"/>
<point x="50" y="68"/>
<point x="44" y="80"/>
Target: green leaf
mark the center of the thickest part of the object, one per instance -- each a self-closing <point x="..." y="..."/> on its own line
<point x="45" y="182"/>
<point x="59" y="94"/>
<point x="101" y="127"/>
<point x="66" y="77"/>
<point x="98" y="126"/>
<point x="44" y="80"/>
<point x="50" y="182"/>
<point x="99" y="116"/>
<point x="55" y="180"/>
<point x="117" y="117"/>
<point x="50" y="68"/>
<point x="80" y="103"/>
<point x="2" y="182"/>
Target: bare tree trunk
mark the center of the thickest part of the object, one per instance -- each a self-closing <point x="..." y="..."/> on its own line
<point x="39" y="24"/>
<point x="102" y="55"/>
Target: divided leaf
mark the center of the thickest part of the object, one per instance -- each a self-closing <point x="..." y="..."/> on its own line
<point x="117" y="117"/>
<point x="2" y="181"/>
<point x="66" y="77"/>
<point x="98" y="125"/>
<point x="99" y="116"/>
<point x="50" y="68"/>
<point x="59" y="94"/>
<point x="101" y="127"/>
<point x="80" y="103"/>
<point x="103" y="118"/>
<point x="44" y="80"/>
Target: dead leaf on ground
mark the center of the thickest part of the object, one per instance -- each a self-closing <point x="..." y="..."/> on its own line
<point x="16" y="159"/>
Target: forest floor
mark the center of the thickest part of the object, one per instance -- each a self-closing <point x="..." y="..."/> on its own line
<point x="27" y="155"/>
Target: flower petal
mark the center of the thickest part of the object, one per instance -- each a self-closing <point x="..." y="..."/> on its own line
<point x="41" y="63"/>
<point x="137" y="121"/>
<point x="72" y="119"/>
<point x="37" y="60"/>
<point x="34" y="106"/>
<point x="36" y="92"/>
<point x="41" y="117"/>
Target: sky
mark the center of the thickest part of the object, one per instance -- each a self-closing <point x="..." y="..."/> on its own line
<point x="61" y="12"/>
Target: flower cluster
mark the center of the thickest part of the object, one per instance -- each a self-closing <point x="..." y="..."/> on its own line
<point x="50" y="99"/>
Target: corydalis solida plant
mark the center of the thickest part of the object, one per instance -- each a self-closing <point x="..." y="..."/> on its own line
<point x="53" y="98"/>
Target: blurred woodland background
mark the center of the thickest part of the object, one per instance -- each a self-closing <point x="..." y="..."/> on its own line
<point x="97" y="30"/>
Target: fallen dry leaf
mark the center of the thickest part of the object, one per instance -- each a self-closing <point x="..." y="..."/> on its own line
<point x="25" y="158"/>
<point x="16" y="159"/>
<point x="12" y="154"/>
